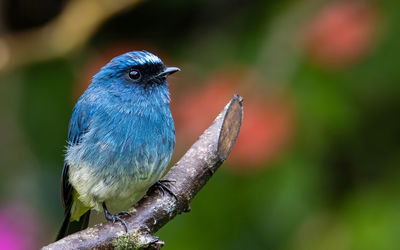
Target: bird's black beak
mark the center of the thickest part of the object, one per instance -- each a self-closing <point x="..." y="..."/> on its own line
<point x="168" y="71"/>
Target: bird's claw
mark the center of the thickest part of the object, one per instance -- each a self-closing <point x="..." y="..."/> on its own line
<point x="115" y="217"/>
<point x="160" y="185"/>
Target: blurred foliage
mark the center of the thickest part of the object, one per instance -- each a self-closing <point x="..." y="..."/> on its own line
<point x="321" y="86"/>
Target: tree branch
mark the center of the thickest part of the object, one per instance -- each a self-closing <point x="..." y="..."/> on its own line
<point x="189" y="175"/>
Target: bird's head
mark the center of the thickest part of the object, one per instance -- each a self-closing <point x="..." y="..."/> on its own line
<point x="134" y="71"/>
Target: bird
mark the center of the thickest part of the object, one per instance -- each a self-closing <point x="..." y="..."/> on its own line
<point x="121" y="137"/>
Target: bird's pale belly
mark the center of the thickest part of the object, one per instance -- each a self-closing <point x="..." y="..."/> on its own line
<point x="118" y="191"/>
<point x="118" y="176"/>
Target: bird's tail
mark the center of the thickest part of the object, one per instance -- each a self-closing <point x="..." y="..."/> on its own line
<point x="69" y="227"/>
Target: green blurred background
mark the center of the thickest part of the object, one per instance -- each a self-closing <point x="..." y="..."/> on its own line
<point x="316" y="165"/>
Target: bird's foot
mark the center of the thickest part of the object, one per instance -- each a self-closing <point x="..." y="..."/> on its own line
<point x="115" y="217"/>
<point x="160" y="185"/>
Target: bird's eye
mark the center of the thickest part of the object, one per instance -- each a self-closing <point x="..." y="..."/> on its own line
<point x="134" y="74"/>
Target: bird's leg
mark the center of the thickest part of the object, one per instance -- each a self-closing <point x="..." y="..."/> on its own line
<point x="160" y="184"/>
<point x="115" y="217"/>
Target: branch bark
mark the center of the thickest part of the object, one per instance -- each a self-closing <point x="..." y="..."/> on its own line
<point x="189" y="175"/>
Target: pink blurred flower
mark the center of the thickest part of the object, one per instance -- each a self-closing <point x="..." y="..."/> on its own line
<point x="267" y="124"/>
<point x="267" y="129"/>
<point x="195" y="109"/>
<point x="341" y="33"/>
<point x="19" y="227"/>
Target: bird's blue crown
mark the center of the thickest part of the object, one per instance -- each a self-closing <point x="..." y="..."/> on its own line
<point x="136" y="58"/>
<point x="120" y="64"/>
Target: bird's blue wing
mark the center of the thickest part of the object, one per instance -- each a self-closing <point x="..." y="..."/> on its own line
<point x="78" y="126"/>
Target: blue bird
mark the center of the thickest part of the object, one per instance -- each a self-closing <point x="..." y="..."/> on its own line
<point x="120" y="139"/>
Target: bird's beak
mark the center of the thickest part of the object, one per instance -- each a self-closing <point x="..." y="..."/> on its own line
<point x="168" y="71"/>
